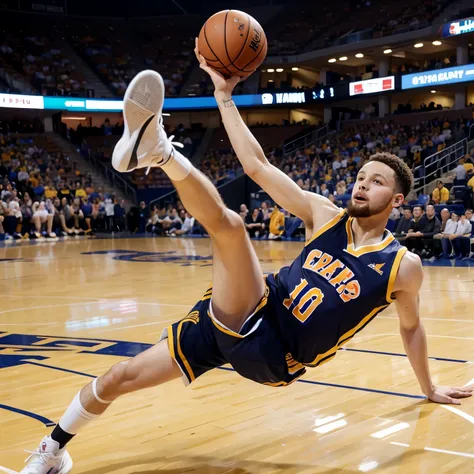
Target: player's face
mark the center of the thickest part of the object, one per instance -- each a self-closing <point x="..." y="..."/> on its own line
<point x="374" y="191"/>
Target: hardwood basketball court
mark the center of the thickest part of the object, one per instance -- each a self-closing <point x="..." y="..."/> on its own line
<point x="95" y="302"/>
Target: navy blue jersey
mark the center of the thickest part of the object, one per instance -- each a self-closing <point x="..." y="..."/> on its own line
<point x="332" y="290"/>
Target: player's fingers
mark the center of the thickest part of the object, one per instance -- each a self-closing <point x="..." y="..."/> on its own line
<point x="461" y="394"/>
<point x="453" y="401"/>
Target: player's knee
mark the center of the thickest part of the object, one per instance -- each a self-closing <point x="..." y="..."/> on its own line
<point x="232" y="223"/>
<point x="115" y="381"/>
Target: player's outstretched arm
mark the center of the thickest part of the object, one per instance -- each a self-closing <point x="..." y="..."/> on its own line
<point x="313" y="209"/>
<point x="407" y="287"/>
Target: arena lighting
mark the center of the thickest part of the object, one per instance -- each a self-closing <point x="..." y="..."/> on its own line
<point x="294" y="68"/>
<point x="74" y="118"/>
<point x="359" y="55"/>
<point x="387" y="51"/>
<point x="270" y="70"/>
<point x="279" y="69"/>
<point x="433" y="92"/>
<point x="436" y="43"/>
<point x="270" y="80"/>
<point x="332" y="60"/>
<point x="419" y="45"/>
<point x="343" y="58"/>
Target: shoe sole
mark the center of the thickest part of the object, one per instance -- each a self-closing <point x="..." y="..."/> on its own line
<point x="142" y="102"/>
<point x="66" y="468"/>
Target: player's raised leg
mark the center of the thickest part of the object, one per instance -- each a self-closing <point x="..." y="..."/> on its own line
<point x="238" y="282"/>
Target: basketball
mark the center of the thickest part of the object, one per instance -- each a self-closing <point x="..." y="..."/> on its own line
<point x="233" y="43"/>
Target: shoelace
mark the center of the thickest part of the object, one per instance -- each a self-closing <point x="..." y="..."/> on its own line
<point x="158" y="158"/>
<point x="43" y="458"/>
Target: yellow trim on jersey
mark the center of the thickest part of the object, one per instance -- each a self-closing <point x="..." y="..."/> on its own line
<point x="229" y="332"/>
<point x="346" y="337"/>
<point x="283" y="384"/>
<point x="171" y="342"/>
<point x="180" y="352"/>
<point x="394" y="272"/>
<point x="363" y="249"/>
<point x="327" y="226"/>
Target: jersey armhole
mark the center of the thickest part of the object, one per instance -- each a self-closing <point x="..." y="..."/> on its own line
<point x="394" y="272"/>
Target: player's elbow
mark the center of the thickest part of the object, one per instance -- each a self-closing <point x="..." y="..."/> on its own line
<point x="254" y="167"/>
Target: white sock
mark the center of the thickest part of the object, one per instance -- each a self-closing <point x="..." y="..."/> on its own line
<point x="75" y="417"/>
<point x="177" y="167"/>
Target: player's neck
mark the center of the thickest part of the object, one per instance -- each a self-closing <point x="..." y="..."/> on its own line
<point x="368" y="230"/>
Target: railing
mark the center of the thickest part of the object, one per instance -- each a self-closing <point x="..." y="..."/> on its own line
<point x="437" y="164"/>
<point x="306" y="140"/>
<point x="114" y="178"/>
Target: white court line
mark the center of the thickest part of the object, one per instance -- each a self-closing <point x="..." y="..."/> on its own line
<point x="445" y="451"/>
<point x="98" y="300"/>
<point x="46" y="306"/>
<point x="398" y="334"/>
<point x="471" y="382"/>
<point x="90" y="302"/>
<point x="433" y="319"/>
<point x="8" y="471"/>
<point x="139" y="325"/>
<point x="436" y="450"/>
<point x="459" y="412"/>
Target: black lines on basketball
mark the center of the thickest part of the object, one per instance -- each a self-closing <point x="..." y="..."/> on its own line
<point x="263" y="48"/>
<point x="212" y="51"/>
<point x="249" y="22"/>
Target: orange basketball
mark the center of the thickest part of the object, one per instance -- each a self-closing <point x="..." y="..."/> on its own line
<point x="233" y="43"/>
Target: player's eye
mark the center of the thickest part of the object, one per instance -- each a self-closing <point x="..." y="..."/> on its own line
<point x="376" y="181"/>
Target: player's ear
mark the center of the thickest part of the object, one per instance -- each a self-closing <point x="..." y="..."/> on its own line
<point x="398" y="200"/>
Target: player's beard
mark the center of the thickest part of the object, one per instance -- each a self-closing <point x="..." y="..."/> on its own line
<point x="366" y="210"/>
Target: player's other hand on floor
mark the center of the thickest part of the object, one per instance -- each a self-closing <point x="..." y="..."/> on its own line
<point x="221" y="84"/>
<point x="450" y="394"/>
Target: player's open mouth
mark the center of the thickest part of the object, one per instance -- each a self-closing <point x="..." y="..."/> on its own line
<point x="359" y="199"/>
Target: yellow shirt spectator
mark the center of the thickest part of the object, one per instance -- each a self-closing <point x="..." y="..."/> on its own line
<point x="471" y="182"/>
<point x="50" y="193"/>
<point x="440" y="196"/>
<point x="468" y="166"/>
<point x="80" y="193"/>
<point x="277" y="220"/>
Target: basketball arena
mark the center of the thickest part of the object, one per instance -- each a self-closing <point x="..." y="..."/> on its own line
<point x="114" y="242"/>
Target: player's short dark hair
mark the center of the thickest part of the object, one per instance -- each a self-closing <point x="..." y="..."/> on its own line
<point x="403" y="174"/>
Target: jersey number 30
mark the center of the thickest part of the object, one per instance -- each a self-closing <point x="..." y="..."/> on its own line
<point x="303" y="301"/>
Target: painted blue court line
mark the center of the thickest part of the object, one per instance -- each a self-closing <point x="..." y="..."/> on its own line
<point x="35" y="416"/>
<point x="399" y="354"/>
<point x="62" y="370"/>
<point x="350" y="387"/>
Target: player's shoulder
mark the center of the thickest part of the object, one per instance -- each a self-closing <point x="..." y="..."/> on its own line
<point x="410" y="272"/>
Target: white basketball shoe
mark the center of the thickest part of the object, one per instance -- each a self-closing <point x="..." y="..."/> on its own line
<point x="144" y="143"/>
<point x="48" y="459"/>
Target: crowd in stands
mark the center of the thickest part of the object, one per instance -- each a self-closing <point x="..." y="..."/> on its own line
<point x="42" y="62"/>
<point x="431" y="237"/>
<point x="43" y="194"/>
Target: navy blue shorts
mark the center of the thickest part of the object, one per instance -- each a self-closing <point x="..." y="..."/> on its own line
<point x="199" y="342"/>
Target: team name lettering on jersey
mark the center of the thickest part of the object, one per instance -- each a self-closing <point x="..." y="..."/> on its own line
<point x="335" y="272"/>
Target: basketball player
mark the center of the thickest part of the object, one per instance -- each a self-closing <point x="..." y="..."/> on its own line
<point x="269" y="329"/>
